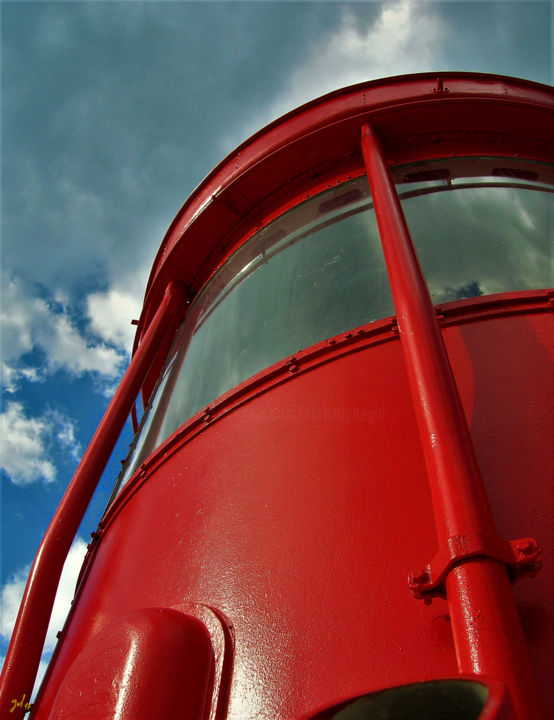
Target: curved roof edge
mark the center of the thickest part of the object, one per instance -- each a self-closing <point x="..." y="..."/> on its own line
<point x="400" y="107"/>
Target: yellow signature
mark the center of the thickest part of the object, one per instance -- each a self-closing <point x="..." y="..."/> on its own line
<point x="20" y="704"/>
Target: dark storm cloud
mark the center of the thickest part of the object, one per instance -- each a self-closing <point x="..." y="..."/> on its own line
<point x="509" y="37"/>
<point x="113" y="112"/>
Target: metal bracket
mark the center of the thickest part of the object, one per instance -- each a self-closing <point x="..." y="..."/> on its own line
<point x="439" y="89"/>
<point x="522" y="558"/>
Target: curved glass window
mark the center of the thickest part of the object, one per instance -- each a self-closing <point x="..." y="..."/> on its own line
<point x="318" y="270"/>
<point x="314" y="272"/>
<point x="481" y="235"/>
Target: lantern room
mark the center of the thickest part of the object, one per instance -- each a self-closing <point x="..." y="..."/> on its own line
<point x="338" y="500"/>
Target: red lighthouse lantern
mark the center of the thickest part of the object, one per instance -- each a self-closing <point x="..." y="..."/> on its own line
<point x="341" y="483"/>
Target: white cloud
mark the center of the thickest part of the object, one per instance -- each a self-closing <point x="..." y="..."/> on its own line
<point x="43" y="665"/>
<point x="14" y="313"/>
<point x="111" y="313"/>
<point x="12" y="593"/>
<point x="24" y="455"/>
<point x="67" y="349"/>
<point x="28" y="322"/>
<point x="11" y="376"/>
<point x="64" y="430"/>
<point x="405" y="37"/>
<point x="26" y="443"/>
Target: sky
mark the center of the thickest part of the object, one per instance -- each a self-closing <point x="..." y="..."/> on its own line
<point x="111" y="114"/>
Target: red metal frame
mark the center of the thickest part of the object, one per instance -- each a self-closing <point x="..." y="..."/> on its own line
<point x="23" y="656"/>
<point x="176" y="479"/>
<point x="480" y="587"/>
<point x="289" y="160"/>
<point x="452" y="314"/>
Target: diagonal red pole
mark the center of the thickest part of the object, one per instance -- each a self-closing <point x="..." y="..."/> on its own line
<point x="487" y="631"/>
<point x="27" y="641"/>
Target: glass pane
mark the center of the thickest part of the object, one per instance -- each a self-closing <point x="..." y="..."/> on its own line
<point x="482" y="235"/>
<point x="318" y="270"/>
<point x="145" y="438"/>
<point x="314" y="272"/>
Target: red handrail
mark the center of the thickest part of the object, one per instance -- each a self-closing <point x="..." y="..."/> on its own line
<point x="27" y="641"/>
<point x="487" y="632"/>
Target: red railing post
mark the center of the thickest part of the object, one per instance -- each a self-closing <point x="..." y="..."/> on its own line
<point x="487" y="632"/>
<point x="27" y="641"/>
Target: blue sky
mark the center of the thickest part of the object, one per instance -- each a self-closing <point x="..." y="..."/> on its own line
<point x="111" y="114"/>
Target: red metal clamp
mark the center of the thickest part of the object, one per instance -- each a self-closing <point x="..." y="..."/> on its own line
<point x="522" y="558"/>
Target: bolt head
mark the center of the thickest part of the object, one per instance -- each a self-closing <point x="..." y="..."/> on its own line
<point x="526" y="547"/>
<point x="419" y="577"/>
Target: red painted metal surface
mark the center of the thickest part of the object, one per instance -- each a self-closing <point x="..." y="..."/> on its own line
<point x="283" y="520"/>
<point x="487" y="632"/>
<point x="307" y="552"/>
<point x="23" y="656"/>
<point x="122" y="666"/>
